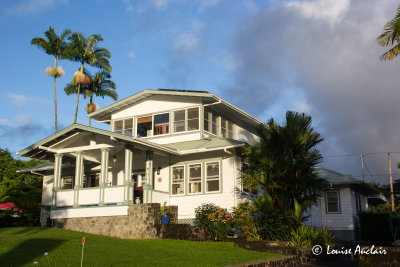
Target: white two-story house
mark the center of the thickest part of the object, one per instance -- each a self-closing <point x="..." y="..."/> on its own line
<point x="174" y="146"/>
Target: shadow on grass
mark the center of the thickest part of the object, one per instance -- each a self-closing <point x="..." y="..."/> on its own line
<point x="30" y="230"/>
<point x="28" y="251"/>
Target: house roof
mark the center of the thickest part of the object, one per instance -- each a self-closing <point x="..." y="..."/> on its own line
<point x="336" y="178"/>
<point x="41" y="167"/>
<point x="209" y="143"/>
<point x="34" y="151"/>
<point x="39" y="149"/>
<point x="105" y="113"/>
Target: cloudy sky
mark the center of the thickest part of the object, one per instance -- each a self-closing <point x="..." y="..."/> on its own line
<point x="314" y="56"/>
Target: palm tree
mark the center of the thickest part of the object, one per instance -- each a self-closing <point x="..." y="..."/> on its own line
<point x="85" y="51"/>
<point x="98" y="85"/>
<point x="56" y="46"/>
<point x="281" y="164"/>
<point x="391" y="36"/>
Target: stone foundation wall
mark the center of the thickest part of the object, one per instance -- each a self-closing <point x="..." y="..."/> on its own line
<point x="142" y="222"/>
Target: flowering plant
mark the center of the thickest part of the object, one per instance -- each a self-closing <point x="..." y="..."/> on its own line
<point x="216" y="221"/>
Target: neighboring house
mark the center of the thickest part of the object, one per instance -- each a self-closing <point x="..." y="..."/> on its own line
<point x="174" y="146"/>
<point x="340" y="201"/>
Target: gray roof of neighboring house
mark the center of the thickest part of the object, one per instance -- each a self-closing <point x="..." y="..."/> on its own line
<point x="209" y="143"/>
<point x="336" y="178"/>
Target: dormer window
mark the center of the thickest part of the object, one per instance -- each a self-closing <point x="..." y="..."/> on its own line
<point x="161" y="124"/>
<point x="144" y="126"/>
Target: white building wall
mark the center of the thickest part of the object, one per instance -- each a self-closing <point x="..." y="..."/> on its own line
<point x="89" y="212"/>
<point x="342" y="220"/>
<point x="224" y="199"/>
<point x="243" y="135"/>
<point x="156" y="104"/>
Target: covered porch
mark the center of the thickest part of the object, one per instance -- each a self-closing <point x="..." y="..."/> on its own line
<point x="95" y="168"/>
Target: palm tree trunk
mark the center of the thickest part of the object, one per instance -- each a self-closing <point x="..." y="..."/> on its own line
<point x="90" y="118"/>
<point x="55" y="95"/>
<point x="77" y="97"/>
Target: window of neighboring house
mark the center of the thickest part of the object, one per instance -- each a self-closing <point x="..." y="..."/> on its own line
<point x="332" y="201"/>
<point x="119" y="126"/>
<point x="144" y="126"/>
<point x="67" y="182"/>
<point x="178" y="180"/>
<point x="358" y="202"/>
<point x="212" y="176"/>
<point x="161" y="124"/>
<point x="195" y="178"/>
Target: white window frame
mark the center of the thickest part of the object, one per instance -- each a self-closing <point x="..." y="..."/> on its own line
<point x="152" y="126"/>
<point x="201" y="178"/>
<point x="206" y="176"/>
<point x="337" y="191"/>
<point x="186" y="120"/>
<point x="184" y="180"/>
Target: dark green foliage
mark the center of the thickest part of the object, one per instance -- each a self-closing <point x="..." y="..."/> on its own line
<point x="306" y="236"/>
<point x="281" y="164"/>
<point x="24" y="190"/>
<point x="277" y="225"/>
<point x="216" y="221"/>
<point x="376" y="226"/>
<point x="244" y="221"/>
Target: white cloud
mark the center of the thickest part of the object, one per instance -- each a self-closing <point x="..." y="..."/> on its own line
<point x="302" y="106"/>
<point x="22" y="117"/>
<point x="131" y="55"/>
<point x="34" y="6"/>
<point x="332" y="11"/>
<point x="7" y="123"/>
<point x="24" y="100"/>
<point x="128" y="5"/>
<point x="160" y="3"/>
<point x="208" y="3"/>
<point x="186" y="41"/>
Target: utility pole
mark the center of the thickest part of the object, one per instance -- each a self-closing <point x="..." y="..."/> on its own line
<point x="362" y="166"/>
<point x="391" y="184"/>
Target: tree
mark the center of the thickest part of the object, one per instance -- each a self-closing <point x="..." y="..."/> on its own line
<point x="391" y="37"/>
<point x="24" y="190"/>
<point x="98" y="85"/>
<point x="281" y="165"/>
<point x="56" y="46"/>
<point x="85" y="51"/>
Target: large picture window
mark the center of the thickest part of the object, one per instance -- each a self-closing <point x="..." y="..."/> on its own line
<point x="195" y="178"/>
<point x="161" y="124"/>
<point x="332" y="201"/>
<point x="212" y="177"/>
<point x="178" y="180"/>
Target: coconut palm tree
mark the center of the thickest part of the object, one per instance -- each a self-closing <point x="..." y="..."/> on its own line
<point x="98" y="85"/>
<point x="85" y="51"/>
<point x="56" y="46"/>
<point x="391" y="36"/>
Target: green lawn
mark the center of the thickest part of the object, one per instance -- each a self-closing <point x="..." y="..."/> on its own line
<point x="23" y="246"/>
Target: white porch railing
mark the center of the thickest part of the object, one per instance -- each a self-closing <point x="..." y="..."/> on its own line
<point x="89" y="196"/>
<point x="65" y="198"/>
<point x="114" y="195"/>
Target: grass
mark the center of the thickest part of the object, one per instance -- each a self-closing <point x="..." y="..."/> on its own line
<point x="22" y="246"/>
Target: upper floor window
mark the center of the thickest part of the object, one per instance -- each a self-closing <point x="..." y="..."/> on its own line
<point x="186" y="120"/>
<point x="218" y="125"/>
<point x="144" y="126"/>
<point x="161" y="124"/>
<point x="124" y="126"/>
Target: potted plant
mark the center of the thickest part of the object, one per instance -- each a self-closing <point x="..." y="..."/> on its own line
<point x="165" y="215"/>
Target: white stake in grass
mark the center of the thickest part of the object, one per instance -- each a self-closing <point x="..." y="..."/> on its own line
<point x="83" y="246"/>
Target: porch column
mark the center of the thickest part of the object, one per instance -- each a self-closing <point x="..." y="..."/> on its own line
<point x="128" y="183"/>
<point x="57" y="177"/>
<point x="103" y="173"/>
<point x="148" y="186"/>
<point x="78" y="176"/>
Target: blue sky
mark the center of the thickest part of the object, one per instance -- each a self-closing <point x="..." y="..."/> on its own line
<point x="313" y="56"/>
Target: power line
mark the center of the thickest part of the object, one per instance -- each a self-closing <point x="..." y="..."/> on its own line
<point x="352" y="155"/>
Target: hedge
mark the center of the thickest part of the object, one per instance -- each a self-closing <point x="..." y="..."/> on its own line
<point x="378" y="226"/>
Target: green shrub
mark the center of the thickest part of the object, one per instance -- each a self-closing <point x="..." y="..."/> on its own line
<point x="216" y="221"/>
<point x="376" y="226"/>
<point x="276" y="224"/>
<point x="243" y="221"/>
<point x="306" y="236"/>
